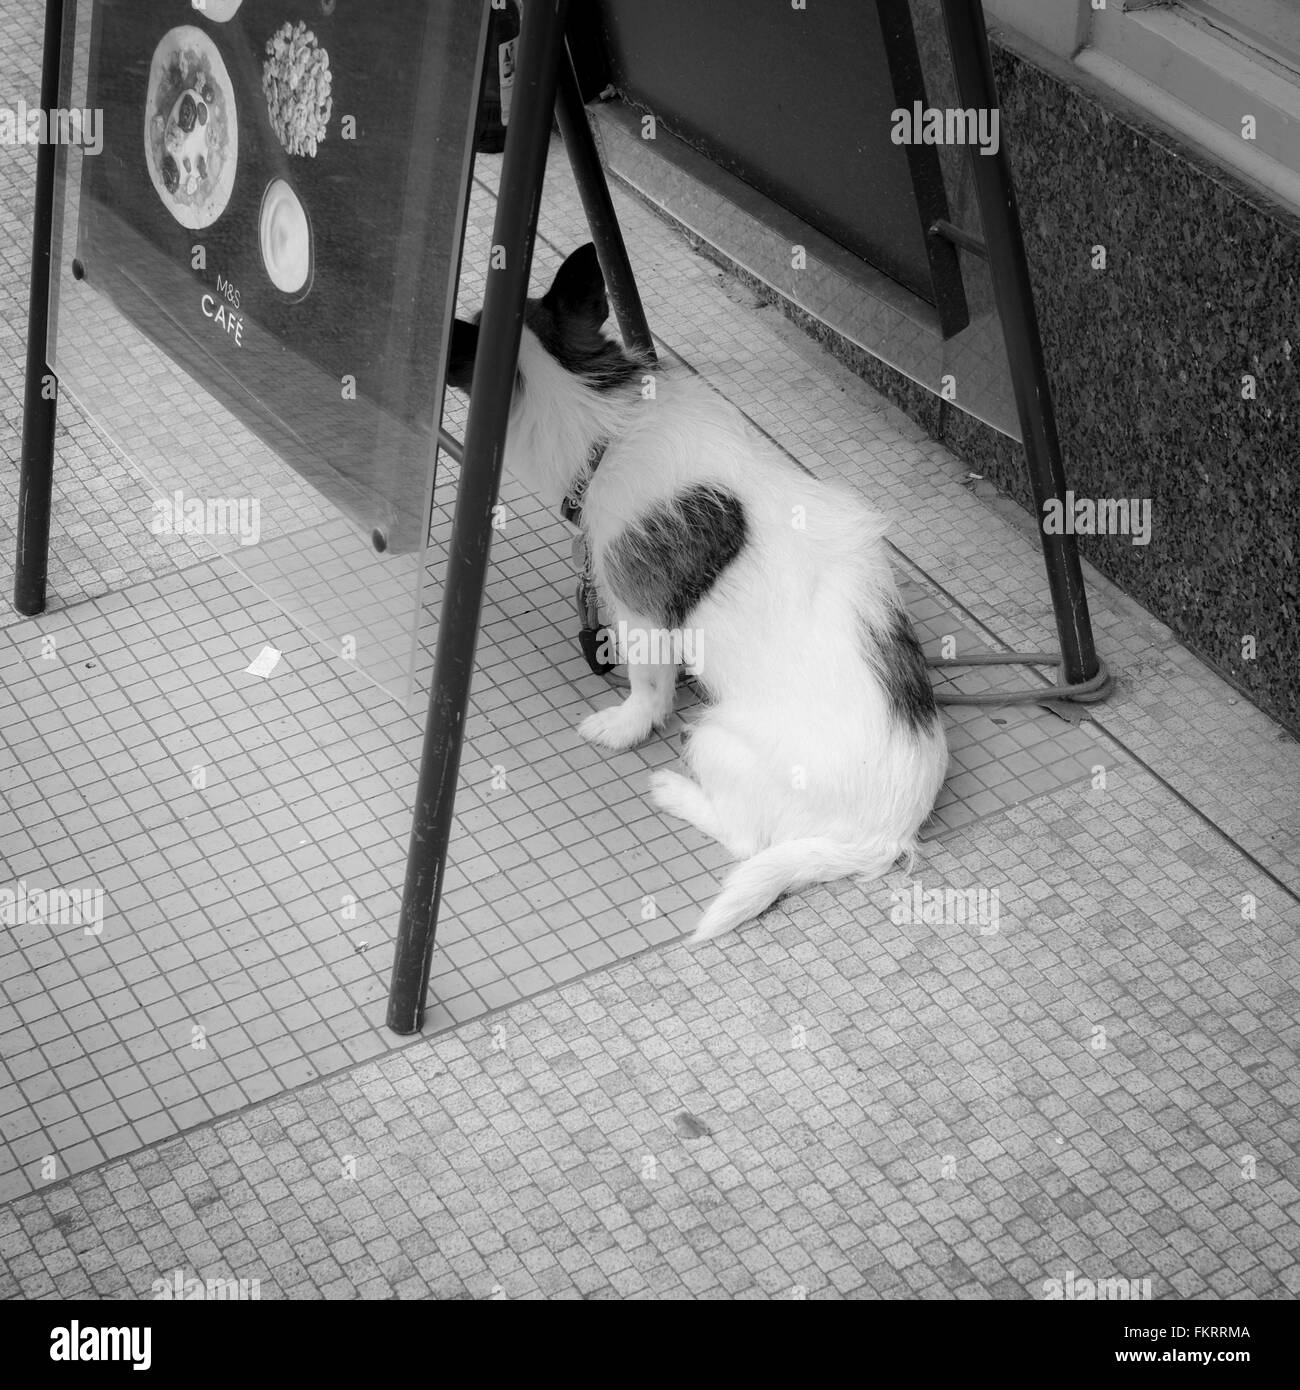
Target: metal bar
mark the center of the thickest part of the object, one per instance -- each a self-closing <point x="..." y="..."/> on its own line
<point x="973" y="70"/>
<point x="907" y="78"/>
<point x="523" y="165"/>
<point x="40" y="398"/>
<point x="449" y="444"/>
<point x="958" y="236"/>
<point x="584" y="158"/>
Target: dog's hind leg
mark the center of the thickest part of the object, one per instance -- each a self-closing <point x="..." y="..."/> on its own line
<point x="654" y="686"/>
<point x="678" y="796"/>
<point x="733" y="783"/>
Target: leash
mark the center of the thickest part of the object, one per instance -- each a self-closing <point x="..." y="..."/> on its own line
<point x="591" y="634"/>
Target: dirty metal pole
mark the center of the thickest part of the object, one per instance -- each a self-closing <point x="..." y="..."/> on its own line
<point x="40" y="399"/>
<point x="580" y="145"/>
<point x="541" y="47"/>
<point x="973" y="70"/>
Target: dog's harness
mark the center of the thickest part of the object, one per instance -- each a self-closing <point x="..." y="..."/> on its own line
<point x="590" y="632"/>
<point x="571" y="507"/>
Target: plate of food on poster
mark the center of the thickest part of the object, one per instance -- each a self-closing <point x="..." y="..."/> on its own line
<point x="191" y="129"/>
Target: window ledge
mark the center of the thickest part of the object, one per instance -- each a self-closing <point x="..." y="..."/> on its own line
<point x="1200" y="86"/>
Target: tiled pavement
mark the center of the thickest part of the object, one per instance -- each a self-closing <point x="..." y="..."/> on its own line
<point x="811" y="1109"/>
<point x="249" y="835"/>
<point x="831" y="1101"/>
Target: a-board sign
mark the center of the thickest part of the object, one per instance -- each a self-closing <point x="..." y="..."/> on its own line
<point x="278" y="206"/>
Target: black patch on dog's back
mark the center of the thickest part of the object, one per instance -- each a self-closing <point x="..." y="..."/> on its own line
<point x="662" y="566"/>
<point x="897" y="656"/>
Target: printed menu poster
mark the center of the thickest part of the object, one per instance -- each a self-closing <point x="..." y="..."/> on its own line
<point x="278" y="205"/>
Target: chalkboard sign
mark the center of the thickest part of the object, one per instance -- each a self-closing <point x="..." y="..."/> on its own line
<point x="252" y="212"/>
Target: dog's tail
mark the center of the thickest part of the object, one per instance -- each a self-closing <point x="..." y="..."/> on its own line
<point x="758" y="882"/>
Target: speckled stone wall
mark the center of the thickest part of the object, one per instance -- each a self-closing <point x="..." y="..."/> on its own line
<point x="1147" y="357"/>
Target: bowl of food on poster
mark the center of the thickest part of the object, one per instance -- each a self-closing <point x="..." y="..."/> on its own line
<point x="284" y="235"/>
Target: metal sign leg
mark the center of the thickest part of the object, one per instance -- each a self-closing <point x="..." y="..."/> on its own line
<point x="584" y="159"/>
<point x="973" y="70"/>
<point x="541" y="46"/>
<point x="40" y="400"/>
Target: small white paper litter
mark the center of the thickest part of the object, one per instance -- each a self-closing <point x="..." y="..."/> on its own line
<point x="264" y="662"/>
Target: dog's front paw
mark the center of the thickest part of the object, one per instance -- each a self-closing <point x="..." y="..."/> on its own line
<point x="619" y="728"/>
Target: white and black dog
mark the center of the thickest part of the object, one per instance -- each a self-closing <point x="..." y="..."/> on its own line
<point x="820" y="752"/>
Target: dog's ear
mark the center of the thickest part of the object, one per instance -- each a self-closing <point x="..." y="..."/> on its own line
<point x="460" y="359"/>
<point x="578" y="290"/>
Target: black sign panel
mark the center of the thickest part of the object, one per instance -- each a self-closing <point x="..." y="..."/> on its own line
<point x="278" y="205"/>
<point x="799" y="102"/>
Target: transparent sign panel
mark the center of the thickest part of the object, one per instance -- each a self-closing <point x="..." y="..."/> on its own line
<point x="256" y="249"/>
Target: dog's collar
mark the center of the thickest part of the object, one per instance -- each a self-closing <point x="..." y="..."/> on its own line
<point x="571" y="507"/>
